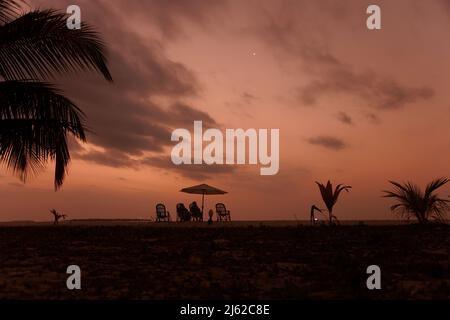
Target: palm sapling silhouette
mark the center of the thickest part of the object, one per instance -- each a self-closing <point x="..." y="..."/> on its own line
<point x="330" y="197"/>
<point x="413" y="202"/>
<point x="57" y="216"/>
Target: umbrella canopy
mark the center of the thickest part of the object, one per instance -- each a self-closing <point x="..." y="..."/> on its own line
<point x="203" y="189"/>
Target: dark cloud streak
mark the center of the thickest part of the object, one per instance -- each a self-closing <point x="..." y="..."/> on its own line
<point x="344" y="118"/>
<point x="294" y="40"/>
<point x="328" y="142"/>
<point x="136" y="114"/>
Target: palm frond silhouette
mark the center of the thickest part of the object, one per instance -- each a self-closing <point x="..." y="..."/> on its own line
<point x="414" y="203"/>
<point x="35" y="118"/>
<point x="330" y="196"/>
<point x="8" y="9"/>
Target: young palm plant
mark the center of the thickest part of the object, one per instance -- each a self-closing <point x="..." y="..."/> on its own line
<point x="412" y="202"/>
<point x="330" y="196"/>
<point x="36" y="118"/>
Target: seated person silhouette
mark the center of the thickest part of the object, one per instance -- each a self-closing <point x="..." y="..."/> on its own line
<point x="196" y="212"/>
<point x="183" y="213"/>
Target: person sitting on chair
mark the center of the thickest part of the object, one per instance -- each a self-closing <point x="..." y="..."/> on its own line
<point x="195" y="211"/>
<point x="183" y="213"/>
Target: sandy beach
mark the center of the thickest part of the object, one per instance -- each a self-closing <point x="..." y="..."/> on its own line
<point x="241" y="260"/>
<point x="193" y="224"/>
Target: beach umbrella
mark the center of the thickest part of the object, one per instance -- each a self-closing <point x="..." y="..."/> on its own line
<point x="203" y="189"/>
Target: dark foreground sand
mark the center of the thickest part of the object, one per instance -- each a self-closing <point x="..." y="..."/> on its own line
<point x="252" y="262"/>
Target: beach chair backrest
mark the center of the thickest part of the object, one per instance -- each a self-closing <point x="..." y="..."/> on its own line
<point x="160" y="210"/>
<point x="220" y="208"/>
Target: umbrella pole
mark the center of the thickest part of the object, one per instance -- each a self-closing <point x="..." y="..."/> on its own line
<point x="203" y="201"/>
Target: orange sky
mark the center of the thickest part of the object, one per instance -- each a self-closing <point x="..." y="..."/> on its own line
<point x="352" y="105"/>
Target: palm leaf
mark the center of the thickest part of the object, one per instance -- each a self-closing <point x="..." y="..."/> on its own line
<point x="35" y="119"/>
<point x="38" y="44"/>
<point x="325" y="195"/>
<point x="9" y="9"/>
<point x="434" y="185"/>
<point x="338" y="190"/>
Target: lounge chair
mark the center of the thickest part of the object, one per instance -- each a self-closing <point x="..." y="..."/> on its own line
<point x="222" y="213"/>
<point x="183" y="213"/>
<point x="162" y="215"/>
